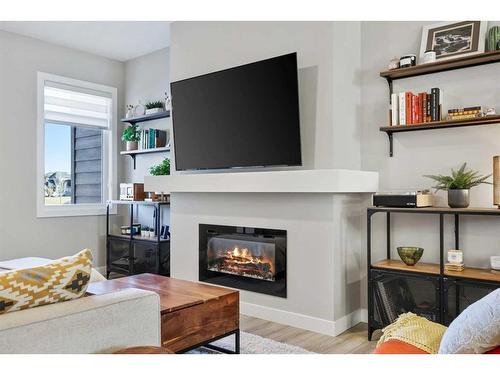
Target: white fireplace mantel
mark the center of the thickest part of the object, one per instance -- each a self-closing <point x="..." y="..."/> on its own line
<point x="293" y="181"/>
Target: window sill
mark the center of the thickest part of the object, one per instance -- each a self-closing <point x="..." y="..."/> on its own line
<point x="74" y="210"/>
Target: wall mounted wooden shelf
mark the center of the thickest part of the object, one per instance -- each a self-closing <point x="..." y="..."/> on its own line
<point x="134" y="153"/>
<point x="154" y="116"/>
<point x="436" y="67"/>
<point x="442" y="66"/>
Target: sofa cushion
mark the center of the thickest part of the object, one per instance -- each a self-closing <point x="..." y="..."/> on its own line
<point x="60" y="280"/>
<point x="397" y="347"/>
<point x="414" y="330"/>
<point x="476" y="329"/>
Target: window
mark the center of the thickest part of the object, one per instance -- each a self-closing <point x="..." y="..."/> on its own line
<point x="76" y="144"/>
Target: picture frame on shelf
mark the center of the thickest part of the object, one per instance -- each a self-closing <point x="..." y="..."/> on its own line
<point x="451" y="40"/>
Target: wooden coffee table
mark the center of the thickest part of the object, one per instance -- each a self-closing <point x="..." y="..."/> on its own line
<point x="192" y="314"/>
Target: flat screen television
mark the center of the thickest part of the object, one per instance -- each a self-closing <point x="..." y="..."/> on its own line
<point x="247" y="116"/>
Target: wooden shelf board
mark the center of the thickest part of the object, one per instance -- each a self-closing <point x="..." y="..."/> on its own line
<point x="475" y="273"/>
<point x="154" y="116"/>
<point x="442" y="66"/>
<point x="146" y="151"/>
<point x="440" y="210"/>
<point x="147" y="203"/>
<point x="433" y="269"/>
<point x="393" y="264"/>
<point x="486" y="120"/>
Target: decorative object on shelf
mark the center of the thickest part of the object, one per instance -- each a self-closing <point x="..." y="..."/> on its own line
<point x="132" y="192"/>
<point x="417" y="109"/>
<point x="130" y="111"/>
<point x="455" y="256"/>
<point x="408" y="61"/>
<point x="139" y="110"/>
<point x="458" y="185"/>
<point x="410" y="255"/>
<point x="466" y="113"/>
<point x="453" y="39"/>
<point x="161" y="169"/>
<point x="393" y="63"/>
<point x="168" y="102"/>
<point x="490" y="112"/>
<point x="496" y="181"/>
<point x="155" y="107"/>
<point x="153" y="138"/>
<point x="131" y="135"/>
<point x="428" y="57"/>
<point x="495" y="262"/>
<point x="419" y="198"/>
<point x="165" y="232"/>
<point x="136" y="229"/>
<point x="494" y="38"/>
<point x="145" y="231"/>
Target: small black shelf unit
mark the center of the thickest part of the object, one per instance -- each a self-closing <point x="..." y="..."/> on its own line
<point x="144" y="118"/>
<point x="433" y="68"/>
<point x="132" y="254"/>
<point x="445" y="289"/>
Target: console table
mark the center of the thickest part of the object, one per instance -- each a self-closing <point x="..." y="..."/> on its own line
<point x="442" y="287"/>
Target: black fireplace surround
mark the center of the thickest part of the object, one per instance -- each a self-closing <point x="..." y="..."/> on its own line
<point x="245" y="258"/>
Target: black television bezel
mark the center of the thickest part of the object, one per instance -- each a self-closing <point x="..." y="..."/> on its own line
<point x="246" y="166"/>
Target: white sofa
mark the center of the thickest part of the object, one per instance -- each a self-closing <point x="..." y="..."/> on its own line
<point x="92" y="324"/>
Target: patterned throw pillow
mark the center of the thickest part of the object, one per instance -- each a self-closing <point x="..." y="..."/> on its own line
<point x="60" y="280"/>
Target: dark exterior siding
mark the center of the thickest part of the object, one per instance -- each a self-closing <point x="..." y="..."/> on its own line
<point x="87" y="165"/>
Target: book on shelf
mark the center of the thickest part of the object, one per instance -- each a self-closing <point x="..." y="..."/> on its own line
<point x="152" y="138"/>
<point x="407" y="108"/>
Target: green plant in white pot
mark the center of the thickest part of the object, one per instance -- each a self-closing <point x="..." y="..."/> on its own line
<point x="458" y="185"/>
<point x="131" y="135"/>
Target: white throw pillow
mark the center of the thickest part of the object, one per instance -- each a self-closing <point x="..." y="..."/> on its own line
<point x="476" y="330"/>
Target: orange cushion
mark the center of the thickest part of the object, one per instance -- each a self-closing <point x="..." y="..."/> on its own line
<point x="397" y="347"/>
<point x="494" y="351"/>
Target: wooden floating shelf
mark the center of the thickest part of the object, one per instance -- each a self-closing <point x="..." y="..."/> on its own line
<point x="486" y="120"/>
<point x="146" y="151"/>
<point x="433" y="269"/>
<point x="153" y="116"/>
<point x="442" y="66"/>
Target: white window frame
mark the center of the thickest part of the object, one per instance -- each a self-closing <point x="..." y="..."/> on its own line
<point x="109" y="170"/>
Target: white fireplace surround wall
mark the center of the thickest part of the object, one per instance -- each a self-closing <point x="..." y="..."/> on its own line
<point x="323" y="212"/>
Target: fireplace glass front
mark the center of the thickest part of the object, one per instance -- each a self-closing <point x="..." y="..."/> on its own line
<point x="245" y="258"/>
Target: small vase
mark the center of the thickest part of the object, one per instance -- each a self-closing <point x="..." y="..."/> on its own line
<point x="131" y="145"/>
<point x="458" y="198"/>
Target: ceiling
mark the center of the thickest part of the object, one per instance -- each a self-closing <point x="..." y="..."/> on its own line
<point x="117" y="40"/>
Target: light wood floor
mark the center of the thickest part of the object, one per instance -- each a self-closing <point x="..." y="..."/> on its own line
<point x="353" y="341"/>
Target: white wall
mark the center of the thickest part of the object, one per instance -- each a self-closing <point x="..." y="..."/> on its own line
<point x="429" y="152"/>
<point x="21" y="233"/>
<point x="147" y="78"/>
<point x="328" y="61"/>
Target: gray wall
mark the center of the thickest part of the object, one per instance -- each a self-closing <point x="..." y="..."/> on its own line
<point x="329" y="61"/>
<point x="147" y="78"/>
<point x="429" y="152"/>
<point x="22" y="233"/>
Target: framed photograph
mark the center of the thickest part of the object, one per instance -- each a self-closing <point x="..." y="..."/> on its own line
<point x="454" y="39"/>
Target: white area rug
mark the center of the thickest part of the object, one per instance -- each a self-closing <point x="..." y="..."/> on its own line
<point x="253" y="344"/>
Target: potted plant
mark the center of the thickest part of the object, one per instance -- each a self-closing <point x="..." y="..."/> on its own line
<point x="161" y="169"/>
<point x="131" y="135"/>
<point x="154" y="107"/>
<point x="458" y="185"/>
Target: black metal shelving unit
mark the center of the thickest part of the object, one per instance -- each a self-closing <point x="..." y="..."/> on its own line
<point x="132" y="254"/>
<point x="445" y="286"/>
<point x="432" y="68"/>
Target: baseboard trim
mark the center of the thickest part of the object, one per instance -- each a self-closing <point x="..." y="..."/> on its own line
<point x="310" y="323"/>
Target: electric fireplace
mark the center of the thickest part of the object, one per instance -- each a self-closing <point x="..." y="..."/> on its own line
<point x="246" y="258"/>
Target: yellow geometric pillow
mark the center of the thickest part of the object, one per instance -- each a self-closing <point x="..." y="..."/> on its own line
<point x="414" y="330"/>
<point x="60" y="280"/>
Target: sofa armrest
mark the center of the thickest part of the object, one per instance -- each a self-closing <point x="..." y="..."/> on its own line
<point x="94" y="324"/>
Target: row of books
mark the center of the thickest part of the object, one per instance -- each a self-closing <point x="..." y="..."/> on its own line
<point x="408" y="108"/>
<point x="152" y="138"/>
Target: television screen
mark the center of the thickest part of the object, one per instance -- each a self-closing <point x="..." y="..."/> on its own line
<point x="245" y="116"/>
